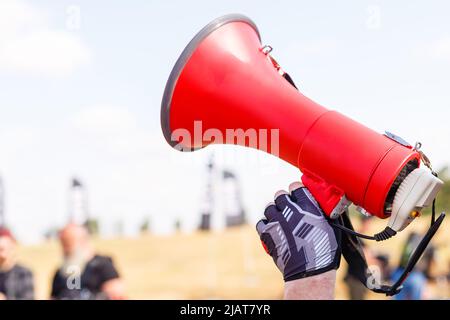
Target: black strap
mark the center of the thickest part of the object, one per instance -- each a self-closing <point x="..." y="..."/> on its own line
<point x="289" y="79"/>
<point x="353" y="232"/>
<point x="433" y="212"/>
<point x="417" y="253"/>
<point x="354" y="255"/>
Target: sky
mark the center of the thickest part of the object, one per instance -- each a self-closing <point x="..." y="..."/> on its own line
<point x="81" y="84"/>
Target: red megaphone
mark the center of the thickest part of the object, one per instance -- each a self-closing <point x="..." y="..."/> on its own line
<point x="226" y="88"/>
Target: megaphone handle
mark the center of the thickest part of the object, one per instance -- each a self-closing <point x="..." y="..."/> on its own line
<point x="331" y="199"/>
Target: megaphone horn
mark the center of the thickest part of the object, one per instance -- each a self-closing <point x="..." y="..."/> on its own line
<point x="226" y="79"/>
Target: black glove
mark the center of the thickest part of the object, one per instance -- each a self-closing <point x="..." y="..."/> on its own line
<point x="297" y="235"/>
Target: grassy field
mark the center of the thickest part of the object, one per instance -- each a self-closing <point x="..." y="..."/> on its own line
<point x="228" y="265"/>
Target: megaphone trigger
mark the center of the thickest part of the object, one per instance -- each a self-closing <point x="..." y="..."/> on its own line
<point x="331" y="199"/>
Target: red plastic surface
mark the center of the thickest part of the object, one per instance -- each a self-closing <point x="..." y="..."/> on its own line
<point x="327" y="195"/>
<point x="229" y="83"/>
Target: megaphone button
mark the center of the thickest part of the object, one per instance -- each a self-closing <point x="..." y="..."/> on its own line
<point x="415" y="214"/>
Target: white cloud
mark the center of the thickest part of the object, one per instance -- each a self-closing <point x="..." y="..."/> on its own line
<point x="127" y="162"/>
<point x="112" y="128"/>
<point x="55" y="53"/>
<point x="28" y="44"/>
<point x="16" y="16"/>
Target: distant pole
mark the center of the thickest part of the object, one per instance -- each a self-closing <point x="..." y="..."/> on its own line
<point x="235" y="212"/>
<point x="2" y="203"/>
<point x="78" y="212"/>
<point x="208" y="205"/>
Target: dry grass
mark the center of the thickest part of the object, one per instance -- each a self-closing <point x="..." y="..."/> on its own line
<point x="228" y="265"/>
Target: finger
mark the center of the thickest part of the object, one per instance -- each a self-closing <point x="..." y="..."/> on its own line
<point x="295" y="189"/>
<point x="271" y="211"/>
<point x="307" y="202"/>
<point x="261" y="226"/>
<point x="281" y="199"/>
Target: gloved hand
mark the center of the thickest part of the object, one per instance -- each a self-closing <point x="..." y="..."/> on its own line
<point x="297" y="235"/>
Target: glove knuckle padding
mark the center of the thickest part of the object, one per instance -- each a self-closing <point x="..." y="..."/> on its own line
<point x="281" y="199"/>
<point x="271" y="212"/>
<point x="307" y="203"/>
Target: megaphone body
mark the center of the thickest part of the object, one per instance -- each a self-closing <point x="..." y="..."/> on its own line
<point x="226" y="80"/>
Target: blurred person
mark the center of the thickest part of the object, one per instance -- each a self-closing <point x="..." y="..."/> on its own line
<point x="445" y="281"/>
<point x="448" y="274"/>
<point x="16" y="281"/>
<point x="385" y="269"/>
<point x="295" y="220"/>
<point x="414" y="285"/>
<point x="84" y="275"/>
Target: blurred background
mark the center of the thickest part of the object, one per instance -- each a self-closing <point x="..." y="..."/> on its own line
<point x="80" y="89"/>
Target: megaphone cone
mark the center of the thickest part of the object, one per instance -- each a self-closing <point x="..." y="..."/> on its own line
<point x="226" y="88"/>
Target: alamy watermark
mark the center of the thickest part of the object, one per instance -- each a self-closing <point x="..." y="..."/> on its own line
<point x="374" y="279"/>
<point x="73" y="281"/>
<point x="262" y="139"/>
<point x="267" y="140"/>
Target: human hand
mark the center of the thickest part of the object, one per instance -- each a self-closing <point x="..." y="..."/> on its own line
<point x="297" y="235"/>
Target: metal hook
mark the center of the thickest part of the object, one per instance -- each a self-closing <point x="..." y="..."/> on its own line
<point x="417" y="146"/>
<point x="266" y="49"/>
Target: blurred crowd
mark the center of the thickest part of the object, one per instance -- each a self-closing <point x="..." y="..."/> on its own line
<point x="83" y="274"/>
<point x="87" y="275"/>
<point x="420" y="279"/>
